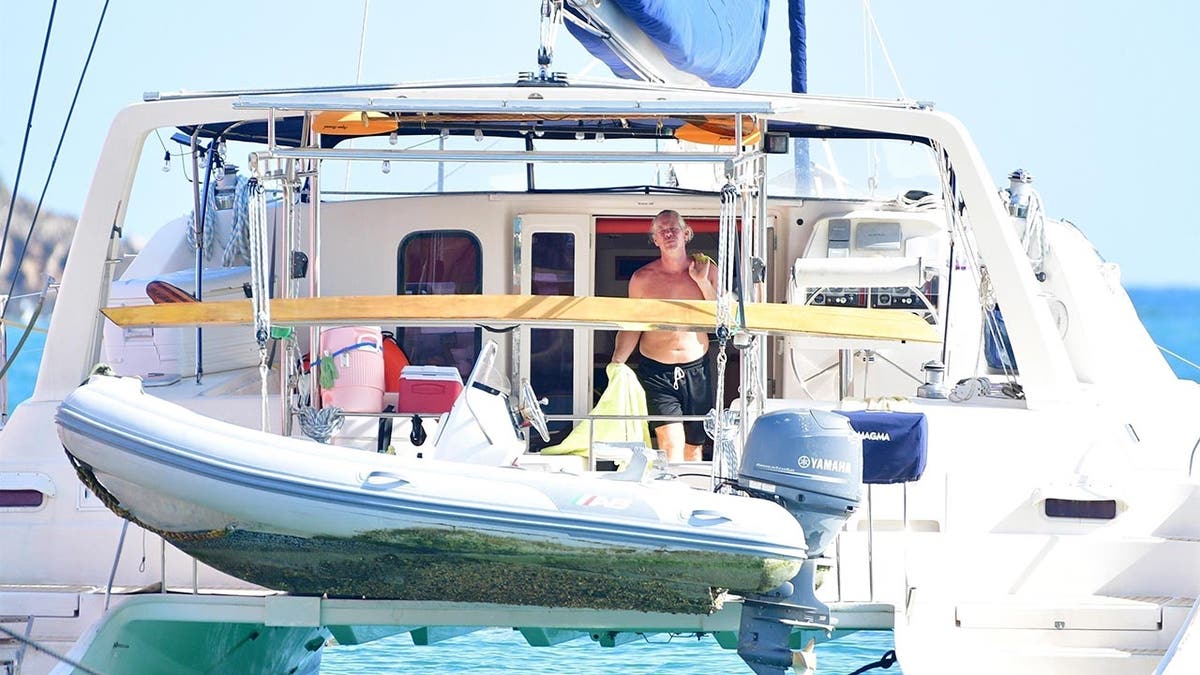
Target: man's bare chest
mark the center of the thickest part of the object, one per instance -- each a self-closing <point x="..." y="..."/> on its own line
<point x="674" y="286"/>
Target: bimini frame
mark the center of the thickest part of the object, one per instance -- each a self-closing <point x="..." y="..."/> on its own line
<point x="743" y="198"/>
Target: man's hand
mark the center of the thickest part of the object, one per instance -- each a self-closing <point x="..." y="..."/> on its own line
<point x="699" y="268"/>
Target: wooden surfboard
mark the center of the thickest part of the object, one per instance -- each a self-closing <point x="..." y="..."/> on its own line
<point x="540" y="311"/>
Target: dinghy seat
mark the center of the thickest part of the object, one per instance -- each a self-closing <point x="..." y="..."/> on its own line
<point x="479" y="428"/>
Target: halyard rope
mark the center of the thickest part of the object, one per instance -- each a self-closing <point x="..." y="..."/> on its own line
<point x="259" y="285"/>
<point x="724" y="453"/>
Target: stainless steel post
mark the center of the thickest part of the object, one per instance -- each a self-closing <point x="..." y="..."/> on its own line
<point x="112" y="575"/>
<point x="199" y="213"/>
<point x="870" y="547"/>
<point x="845" y="373"/>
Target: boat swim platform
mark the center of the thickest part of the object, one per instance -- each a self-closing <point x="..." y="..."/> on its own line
<point x="353" y="621"/>
<point x="539" y="311"/>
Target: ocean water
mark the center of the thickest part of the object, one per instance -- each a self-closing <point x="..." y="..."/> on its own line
<point x="497" y="650"/>
<point x="1171" y="315"/>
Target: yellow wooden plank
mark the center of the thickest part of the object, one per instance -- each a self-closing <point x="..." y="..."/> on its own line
<point x="543" y="311"/>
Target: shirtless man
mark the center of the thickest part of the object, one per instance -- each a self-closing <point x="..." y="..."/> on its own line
<point x="674" y="370"/>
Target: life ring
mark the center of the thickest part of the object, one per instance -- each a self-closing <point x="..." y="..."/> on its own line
<point x="354" y="123"/>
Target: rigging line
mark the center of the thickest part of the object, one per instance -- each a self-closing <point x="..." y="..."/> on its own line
<point x="868" y="61"/>
<point x="54" y="162"/>
<point x="461" y="165"/>
<point x="9" y="323"/>
<point x="12" y="358"/>
<point x="362" y="48"/>
<point x="362" y="42"/>
<point x="883" y="47"/>
<point x="1181" y="358"/>
<point x="37" y="83"/>
<point x="46" y="650"/>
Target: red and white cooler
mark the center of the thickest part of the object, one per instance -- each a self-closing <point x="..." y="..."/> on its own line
<point x="428" y="389"/>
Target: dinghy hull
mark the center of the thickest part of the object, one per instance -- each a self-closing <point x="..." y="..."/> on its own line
<point x="312" y="519"/>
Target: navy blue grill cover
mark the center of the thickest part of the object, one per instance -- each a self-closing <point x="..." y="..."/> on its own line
<point x="894" y="444"/>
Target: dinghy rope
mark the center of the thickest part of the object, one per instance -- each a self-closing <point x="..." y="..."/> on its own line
<point x="886" y="661"/>
<point x="87" y="476"/>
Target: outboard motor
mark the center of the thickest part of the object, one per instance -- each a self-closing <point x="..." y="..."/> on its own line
<point x="810" y="462"/>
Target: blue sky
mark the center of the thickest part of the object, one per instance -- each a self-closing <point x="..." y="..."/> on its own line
<point x="1094" y="98"/>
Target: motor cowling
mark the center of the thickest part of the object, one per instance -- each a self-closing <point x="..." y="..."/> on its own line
<point x="810" y="461"/>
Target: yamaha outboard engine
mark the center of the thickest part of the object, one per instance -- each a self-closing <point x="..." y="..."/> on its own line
<point x="810" y="462"/>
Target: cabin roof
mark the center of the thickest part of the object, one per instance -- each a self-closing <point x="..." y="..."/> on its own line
<point x="522" y="109"/>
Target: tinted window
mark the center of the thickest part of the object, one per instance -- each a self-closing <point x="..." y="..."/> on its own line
<point x="551" y="350"/>
<point x="20" y="498"/>
<point x="440" y="263"/>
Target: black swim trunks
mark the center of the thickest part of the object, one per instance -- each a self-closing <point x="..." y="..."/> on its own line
<point x="678" y="389"/>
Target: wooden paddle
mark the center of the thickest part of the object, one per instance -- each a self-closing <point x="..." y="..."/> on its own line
<point x="161" y="292"/>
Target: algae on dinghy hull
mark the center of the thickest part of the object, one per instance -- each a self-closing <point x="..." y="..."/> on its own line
<point x="464" y="566"/>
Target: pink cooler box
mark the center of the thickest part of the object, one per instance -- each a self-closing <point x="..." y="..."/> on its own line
<point x="359" y="383"/>
<point x="428" y="389"/>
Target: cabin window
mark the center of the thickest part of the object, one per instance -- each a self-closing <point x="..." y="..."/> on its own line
<point x="440" y="263"/>
<point x="552" y="350"/>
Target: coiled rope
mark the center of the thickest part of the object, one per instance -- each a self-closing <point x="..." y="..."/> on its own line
<point x="210" y="222"/>
<point x="239" y="231"/>
<point x="320" y="425"/>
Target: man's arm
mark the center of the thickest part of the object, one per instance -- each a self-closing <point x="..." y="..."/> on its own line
<point x="627" y="340"/>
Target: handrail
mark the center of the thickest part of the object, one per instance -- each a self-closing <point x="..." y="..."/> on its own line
<point x="522" y="156"/>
